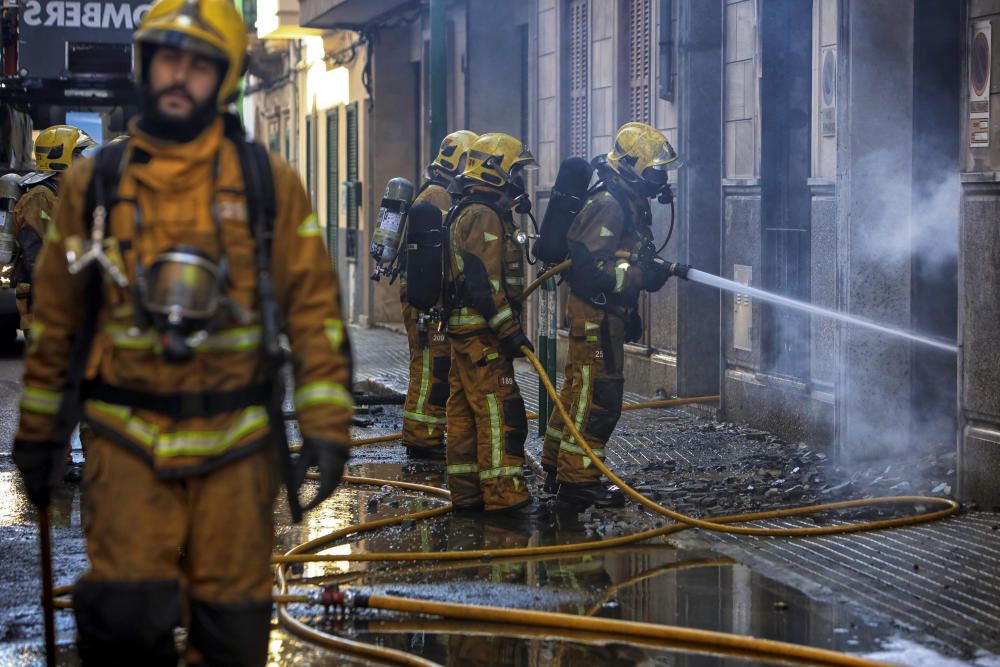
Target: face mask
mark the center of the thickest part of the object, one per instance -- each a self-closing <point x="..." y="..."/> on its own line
<point x="181" y="293"/>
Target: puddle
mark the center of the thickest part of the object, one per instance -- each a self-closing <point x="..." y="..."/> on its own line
<point x="650" y="583"/>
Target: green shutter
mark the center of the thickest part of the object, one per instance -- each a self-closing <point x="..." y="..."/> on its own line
<point x="332" y="181"/>
<point x="309" y="160"/>
<point x="352" y="176"/>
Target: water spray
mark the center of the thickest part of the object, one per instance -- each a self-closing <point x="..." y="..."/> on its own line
<point x="697" y="276"/>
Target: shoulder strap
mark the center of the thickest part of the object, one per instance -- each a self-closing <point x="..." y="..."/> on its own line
<point x="101" y="191"/>
<point x="258" y="188"/>
<point x="428" y="183"/>
<point x="103" y="187"/>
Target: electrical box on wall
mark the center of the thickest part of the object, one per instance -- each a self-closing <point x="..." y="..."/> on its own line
<point x="742" y="310"/>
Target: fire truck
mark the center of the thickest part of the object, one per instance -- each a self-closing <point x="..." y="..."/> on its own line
<point x="58" y="56"/>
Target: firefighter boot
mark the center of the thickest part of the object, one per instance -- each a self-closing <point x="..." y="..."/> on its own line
<point x="527" y="514"/>
<point x="590" y="493"/>
<point x="551" y="485"/>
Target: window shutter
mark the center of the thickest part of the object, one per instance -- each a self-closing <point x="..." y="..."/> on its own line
<point x="638" y="53"/>
<point x="332" y="181"/>
<point x="579" y="51"/>
<point x="352" y="176"/>
<point x="310" y="181"/>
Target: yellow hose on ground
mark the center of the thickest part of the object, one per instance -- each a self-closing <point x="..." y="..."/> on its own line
<point x="764" y="648"/>
<point x="476" y="628"/>
<point x="714" y="524"/>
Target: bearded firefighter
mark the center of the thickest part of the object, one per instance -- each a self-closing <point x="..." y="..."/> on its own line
<point x="430" y="354"/>
<point x="200" y="245"/>
<point x="609" y="244"/>
<point x="487" y="424"/>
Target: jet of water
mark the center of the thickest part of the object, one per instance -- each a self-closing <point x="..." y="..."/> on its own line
<point x="737" y="288"/>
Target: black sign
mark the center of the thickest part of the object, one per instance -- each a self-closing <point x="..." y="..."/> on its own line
<point x="63" y="39"/>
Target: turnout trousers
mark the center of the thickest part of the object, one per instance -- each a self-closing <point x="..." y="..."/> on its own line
<point x="192" y="552"/>
<point x="427" y="395"/>
<point x="487" y="426"/>
<point x="592" y="392"/>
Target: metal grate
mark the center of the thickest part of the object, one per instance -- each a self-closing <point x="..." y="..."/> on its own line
<point x="638" y="63"/>
<point x="332" y="181"/>
<point x="578" y="75"/>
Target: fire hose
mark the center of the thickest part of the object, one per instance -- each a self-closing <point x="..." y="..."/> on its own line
<point x="574" y="623"/>
<point x="569" y="624"/>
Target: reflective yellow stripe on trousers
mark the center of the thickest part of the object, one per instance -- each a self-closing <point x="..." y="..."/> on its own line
<point x="496" y="444"/>
<point x="42" y="401"/>
<point x="567" y="445"/>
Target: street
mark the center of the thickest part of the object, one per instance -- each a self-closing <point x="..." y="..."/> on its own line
<point x="817" y="591"/>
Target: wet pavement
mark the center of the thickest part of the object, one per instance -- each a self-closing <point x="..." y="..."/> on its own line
<point x="789" y="590"/>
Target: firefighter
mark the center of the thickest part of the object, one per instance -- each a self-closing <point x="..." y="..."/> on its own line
<point x="487" y="424"/>
<point x="55" y="149"/>
<point x="610" y="243"/>
<point x="430" y="354"/>
<point x="181" y="472"/>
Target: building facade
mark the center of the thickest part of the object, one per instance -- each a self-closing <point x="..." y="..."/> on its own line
<point x="826" y="157"/>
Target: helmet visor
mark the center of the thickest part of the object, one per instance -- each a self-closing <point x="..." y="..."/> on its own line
<point x="665" y="156"/>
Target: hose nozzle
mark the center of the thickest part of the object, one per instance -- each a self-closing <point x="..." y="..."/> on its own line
<point x="679" y="270"/>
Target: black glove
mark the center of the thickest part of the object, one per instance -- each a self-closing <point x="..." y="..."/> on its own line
<point x="633" y="326"/>
<point x="41" y="465"/>
<point x="512" y="344"/>
<point x="655" y="275"/>
<point x="330" y="458"/>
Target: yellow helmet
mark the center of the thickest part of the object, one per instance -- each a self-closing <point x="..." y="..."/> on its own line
<point x="453" y="153"/>
<point x="211" y="28"/>
<point x="642" y="155"/>
<point x="493" y="157"/>
<point x="56" y="147"/>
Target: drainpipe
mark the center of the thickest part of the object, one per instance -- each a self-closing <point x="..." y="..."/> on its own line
<point x="438" y="71"/>
<point x="548" y="323"/>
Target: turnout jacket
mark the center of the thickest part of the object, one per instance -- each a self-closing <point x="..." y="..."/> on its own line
<point x="32" y="214"/>
<point x="487" y="272"/>
<point x="605" y="243"/>
<point x="175" y="187"/>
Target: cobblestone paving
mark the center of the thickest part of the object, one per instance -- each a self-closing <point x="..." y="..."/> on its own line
<point x="940" y="581"/>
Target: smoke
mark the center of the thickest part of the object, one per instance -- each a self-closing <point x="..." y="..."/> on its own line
<point x="909" y="222"/>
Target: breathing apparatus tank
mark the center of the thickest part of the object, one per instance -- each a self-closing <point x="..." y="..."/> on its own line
<point x="391" y="223"/>
<point x="425" y="243"/>
<point x="568" y="196"/>
<point x="10" y="192"/>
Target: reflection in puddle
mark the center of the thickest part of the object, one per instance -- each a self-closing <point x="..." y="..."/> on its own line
<point x="653" y="583"/>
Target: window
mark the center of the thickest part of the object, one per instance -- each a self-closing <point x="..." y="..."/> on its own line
<point x="786" y="200"/>
<point x="288" y="137"/>
<point x="332" y="182"/>
<point x="353" y="186"/>
<point x="637" y="61"/>
<point x="577" y="79"/>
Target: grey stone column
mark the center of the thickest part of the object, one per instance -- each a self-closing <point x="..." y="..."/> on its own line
<point x="875" y="130"/>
